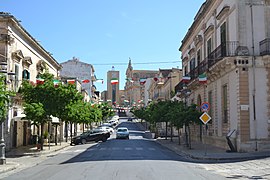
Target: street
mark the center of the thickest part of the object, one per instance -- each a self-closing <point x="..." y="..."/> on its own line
<point x="136" y="158"/>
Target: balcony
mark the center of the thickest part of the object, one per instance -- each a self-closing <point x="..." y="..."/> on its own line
<point x="265" y="47"/>
<point x="228" y="49"/>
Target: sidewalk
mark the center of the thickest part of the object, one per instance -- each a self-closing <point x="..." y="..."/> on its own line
<point x="202" y="151"/>
<point x="28" y="156"/>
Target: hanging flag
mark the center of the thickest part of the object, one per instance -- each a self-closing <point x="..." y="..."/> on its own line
<point x="114" y="81"/>
<point x="100" y="80"/>
<point x="71" y="81"/>
<point x="186" y="79"/>
<point x="142" y="81"/>
<point x="129" y="79"/>
<point x="40" y="81"/>
<point x="56" y="82"/>
<point x="86" y="81"/>
<point x="202" y="78"/>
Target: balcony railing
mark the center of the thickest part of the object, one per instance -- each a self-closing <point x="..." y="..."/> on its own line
<point x="227" y="49"/>
<point x="265" y="47"/>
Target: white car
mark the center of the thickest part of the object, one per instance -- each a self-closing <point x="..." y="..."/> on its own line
<point x="106" y="128"/>
<point x="122" y="133"/>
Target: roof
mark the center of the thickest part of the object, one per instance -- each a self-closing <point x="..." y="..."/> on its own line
<point x="7" y="16"/>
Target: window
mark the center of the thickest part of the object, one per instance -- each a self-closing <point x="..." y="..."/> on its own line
<point x="26" y="75"/>
<point x="198" y="57"/>
<point x="186" y="70"/>
<point x="224" y="103"/>
<point x="209" y="46"/>
<point x="223" y="39"/>
<point x="16" y="84"/>
<point x="192" y="64"/>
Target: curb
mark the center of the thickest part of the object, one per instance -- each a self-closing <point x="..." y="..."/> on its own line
<point x="37" y="153"/>
<point x="182" y="153"/>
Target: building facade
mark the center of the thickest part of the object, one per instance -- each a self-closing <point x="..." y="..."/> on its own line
<point x="113" y="86"/>
<point x="84" y="73"/>
<point x="228" y="43"/>
<point x="134" y="87"/>
<point x="23" y="56"/>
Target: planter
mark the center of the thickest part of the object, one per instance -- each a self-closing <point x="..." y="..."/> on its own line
<point x="46" y="141"/>
<point x="153" y="135"/>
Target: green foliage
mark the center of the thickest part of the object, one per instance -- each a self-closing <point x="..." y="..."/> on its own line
<point x="106" y="110"/>
<point x="175" y="112"/>
<point x="4" y="97"/>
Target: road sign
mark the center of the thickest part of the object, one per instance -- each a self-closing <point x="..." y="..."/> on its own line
<point x="205" y="118"/>
<point x="205" y="106"/>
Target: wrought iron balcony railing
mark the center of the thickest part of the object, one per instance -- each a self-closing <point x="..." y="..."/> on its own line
<point x="227" y="49"/>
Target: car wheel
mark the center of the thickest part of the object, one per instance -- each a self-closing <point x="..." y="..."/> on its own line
<point x="104" y="139"/>
<point x="83" y="141"/>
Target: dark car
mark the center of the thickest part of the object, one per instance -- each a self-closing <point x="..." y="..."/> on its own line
<point x="92" y="135"/>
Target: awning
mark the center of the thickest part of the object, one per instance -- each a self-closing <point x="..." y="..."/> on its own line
<point x="55" y="119"/>
<point x="19" y="117"/>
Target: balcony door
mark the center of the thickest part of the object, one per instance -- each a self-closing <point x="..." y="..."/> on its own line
<point x="223" y="38"/>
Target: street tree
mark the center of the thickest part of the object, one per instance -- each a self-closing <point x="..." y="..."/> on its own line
<point x="54" y="99"/>
<point x="4" y="97"/>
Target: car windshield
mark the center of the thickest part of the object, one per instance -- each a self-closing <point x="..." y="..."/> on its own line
<point x="122" y="130"/>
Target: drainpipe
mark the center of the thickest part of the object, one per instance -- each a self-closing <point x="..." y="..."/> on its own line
<point x="253" y="74"/>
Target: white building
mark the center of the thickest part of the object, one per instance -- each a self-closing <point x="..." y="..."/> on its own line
<point x="25" y="57"/>
<point x="229" y="42"/>
<point x="83" y="72"/>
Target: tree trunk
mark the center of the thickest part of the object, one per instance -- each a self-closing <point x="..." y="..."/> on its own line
<point x="66" y="131"/>
<point x="166" y="132"/>
<point x="42" y="136"/>
<point x="55" y="136"/>
<point x="179" y="136"/>
<point x="171" y="132"/>
<point x="71" y="130"/>
<point x="186" y="133"/>
<point x="189" y="137"/>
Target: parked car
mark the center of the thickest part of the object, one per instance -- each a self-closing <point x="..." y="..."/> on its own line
<point x="106" y="128"/>
<point x="113" y="122"/>
<point x="106" y="124"/>
<point x="92" y="135"/>
<point x="122" y="132"/>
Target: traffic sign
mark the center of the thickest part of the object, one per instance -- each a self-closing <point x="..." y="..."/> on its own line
<point x="205" y="106"/>
<point x="205" y="118"/>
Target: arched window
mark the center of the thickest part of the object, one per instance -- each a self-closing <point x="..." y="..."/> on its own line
<point x="25" y="74"/>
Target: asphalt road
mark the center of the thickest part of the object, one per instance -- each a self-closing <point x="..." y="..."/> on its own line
<point x="136" y="158"/>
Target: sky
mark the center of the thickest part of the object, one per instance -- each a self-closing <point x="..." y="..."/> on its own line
<point x="107" y="33"/>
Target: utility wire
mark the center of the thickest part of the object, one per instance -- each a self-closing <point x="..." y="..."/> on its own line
<point x="106" y="64"/>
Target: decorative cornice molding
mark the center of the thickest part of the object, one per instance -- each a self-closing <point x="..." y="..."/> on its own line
<point x="209" y="30"/>
<point x="223" y="12"/>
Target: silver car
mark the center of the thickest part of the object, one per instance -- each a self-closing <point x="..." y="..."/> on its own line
<point x="122" y="133"/>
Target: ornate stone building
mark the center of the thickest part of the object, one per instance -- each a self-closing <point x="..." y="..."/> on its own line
<point x="22" y="56"/>
<point x="134" y="87"/>
<point x="229" y="42"/>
